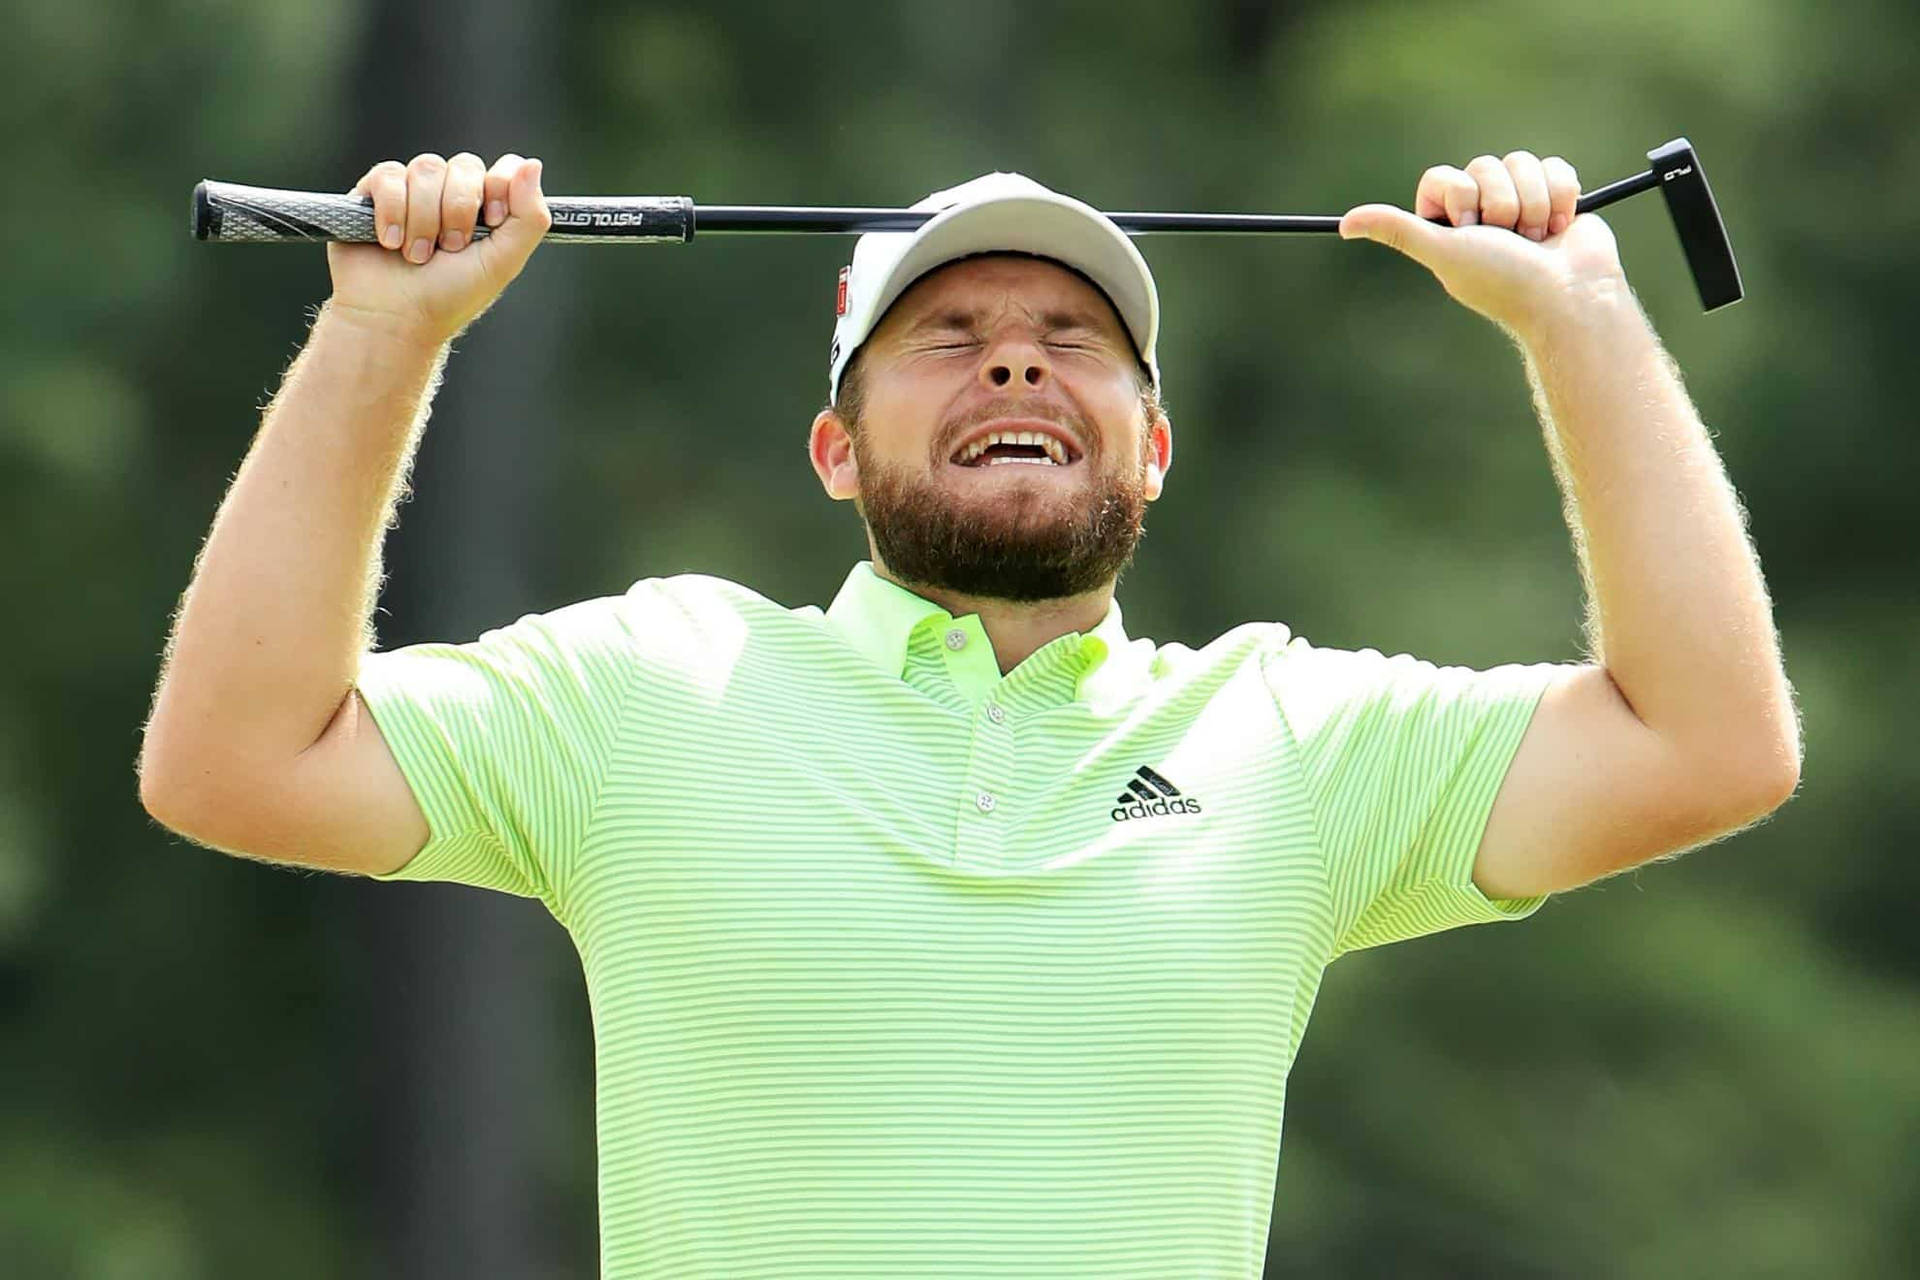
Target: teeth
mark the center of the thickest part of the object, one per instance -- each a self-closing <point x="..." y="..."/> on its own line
<point x="1056" y="452"/>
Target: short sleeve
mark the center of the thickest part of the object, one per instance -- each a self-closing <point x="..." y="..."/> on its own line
<point x="1402" y="760"/>
<point x="505" y="742"/>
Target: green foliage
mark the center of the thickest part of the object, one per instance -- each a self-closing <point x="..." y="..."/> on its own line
<point x="1702" y="1068"/>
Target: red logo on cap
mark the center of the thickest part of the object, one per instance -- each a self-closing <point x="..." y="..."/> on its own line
<point x="840" y="295"/>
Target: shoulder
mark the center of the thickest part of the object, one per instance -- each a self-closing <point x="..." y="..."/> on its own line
<point x="1309" y="683"/>
<point x="1318" y="687"/>
<point x="695" y="602"/>
<point x="672" y="612"/>
<point x="698" y="621"/>
<point x="1249" y="644"/>
<point x="681" y="616"/>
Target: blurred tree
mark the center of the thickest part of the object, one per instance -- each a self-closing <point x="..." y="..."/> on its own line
<point x="459" y="1049"/>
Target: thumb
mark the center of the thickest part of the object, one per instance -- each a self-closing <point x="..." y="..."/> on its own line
<point x="528" y="217"/>
<point x="1394" y="227"/>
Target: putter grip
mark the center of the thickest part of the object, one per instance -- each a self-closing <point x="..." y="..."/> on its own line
<point x="227" y="211"/>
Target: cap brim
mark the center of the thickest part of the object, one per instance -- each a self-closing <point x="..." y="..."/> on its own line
<point x="1055" y="227"/>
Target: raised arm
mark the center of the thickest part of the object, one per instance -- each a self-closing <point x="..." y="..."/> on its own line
<point x="1681" y="728"/>
<point x="256" y="743"/>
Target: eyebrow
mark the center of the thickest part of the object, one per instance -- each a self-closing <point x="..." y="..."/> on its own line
<point x="942" y="320"/>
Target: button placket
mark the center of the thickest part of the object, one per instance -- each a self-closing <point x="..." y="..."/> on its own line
<point x="985" y="819"/>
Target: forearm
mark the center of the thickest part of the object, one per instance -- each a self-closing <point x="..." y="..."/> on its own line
<point x="269" y="634"/>
<point x="1677" y="609"/>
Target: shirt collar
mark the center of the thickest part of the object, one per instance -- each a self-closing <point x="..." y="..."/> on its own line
<point x="877" y="617"/>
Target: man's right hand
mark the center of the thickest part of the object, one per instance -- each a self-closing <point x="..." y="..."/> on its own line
<point x="428" y="278"/>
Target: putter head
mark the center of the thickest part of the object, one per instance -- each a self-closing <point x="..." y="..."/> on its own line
<point x="1703" y="238"/>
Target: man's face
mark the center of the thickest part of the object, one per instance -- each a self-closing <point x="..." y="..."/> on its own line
<point x="979" y="349"/>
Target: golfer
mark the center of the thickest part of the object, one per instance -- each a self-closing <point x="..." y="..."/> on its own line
<point x="950" y="929"/>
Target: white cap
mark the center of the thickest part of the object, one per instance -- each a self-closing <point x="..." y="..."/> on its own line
<point x="996" y="212"/>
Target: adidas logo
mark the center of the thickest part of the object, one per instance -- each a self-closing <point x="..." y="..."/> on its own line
<point x="1149" y="795"/>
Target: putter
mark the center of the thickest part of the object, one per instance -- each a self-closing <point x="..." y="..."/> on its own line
<point x="231" y="213"/>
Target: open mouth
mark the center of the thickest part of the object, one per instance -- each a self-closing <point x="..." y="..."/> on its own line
<point x="1016" y="448"/>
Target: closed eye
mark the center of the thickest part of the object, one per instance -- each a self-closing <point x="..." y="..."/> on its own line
<point x="1075" y="338"/>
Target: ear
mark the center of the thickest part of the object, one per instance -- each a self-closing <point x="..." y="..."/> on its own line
<point x="830" y="448"/>
<point x="1159" y="454"/>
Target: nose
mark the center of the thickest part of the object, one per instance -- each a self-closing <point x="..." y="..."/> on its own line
<point x="1012" y="361"/>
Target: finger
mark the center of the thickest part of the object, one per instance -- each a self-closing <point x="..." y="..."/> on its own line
<point x="1399" y="230"/>
<point x="460" y="200"/>
<point x="1530" y="184"/>
<point x="386" y="182"/>
<point x="426" y="175"/>
<point x="1499" y="202"/>
<point x="498" y="178"/>
<point x="1563" y="193"/>
<point x="1449" y="192"/>
<point x="527" y="220"/>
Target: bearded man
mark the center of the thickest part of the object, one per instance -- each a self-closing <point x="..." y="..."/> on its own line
<point x="951" y="930"/>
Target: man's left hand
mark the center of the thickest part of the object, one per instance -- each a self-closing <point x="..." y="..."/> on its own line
<point x="1513" y="249"/>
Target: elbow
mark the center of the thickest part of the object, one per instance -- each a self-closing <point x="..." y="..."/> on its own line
<point x="147" y="779"/>
<point x="166" y="792"/>
<point x="158" y="795"/>
<point x="1768" y="789"/>
<point x="1780" y="764"/>
<point x="1784" y="787"/>
<point x="1747" y="775"/>
<point x="1724" y="802"/>
<point x="179" y="780"/>
<point x="152" y="774"/>
<point x="1780" y="773"/>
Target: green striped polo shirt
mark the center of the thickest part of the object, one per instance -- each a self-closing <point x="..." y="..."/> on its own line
<point x="902" y="967"/>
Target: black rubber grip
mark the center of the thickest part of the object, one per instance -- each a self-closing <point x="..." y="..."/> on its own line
<point x="227" y="211"/>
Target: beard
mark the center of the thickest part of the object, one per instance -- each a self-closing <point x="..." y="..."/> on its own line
<point x="1028" y="544"/>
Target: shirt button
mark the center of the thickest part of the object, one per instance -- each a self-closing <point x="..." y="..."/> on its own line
<point x="985" y="801"/>
<point x="996" y="713"/>
<point x="956" y="639"/>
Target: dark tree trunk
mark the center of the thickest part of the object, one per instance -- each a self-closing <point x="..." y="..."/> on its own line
<point x="458" y="1066"/>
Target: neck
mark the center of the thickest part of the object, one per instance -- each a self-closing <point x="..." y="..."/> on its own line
<point x="1016" y="628"/>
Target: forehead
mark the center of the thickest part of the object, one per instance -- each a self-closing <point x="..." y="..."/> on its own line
<point x="990" y="283"/>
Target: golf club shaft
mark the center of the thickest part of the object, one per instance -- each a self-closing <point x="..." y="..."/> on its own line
<point x="774" y="218"/>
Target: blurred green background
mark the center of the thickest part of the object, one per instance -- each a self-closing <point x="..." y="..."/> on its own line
<point x="209" y="1067"/>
